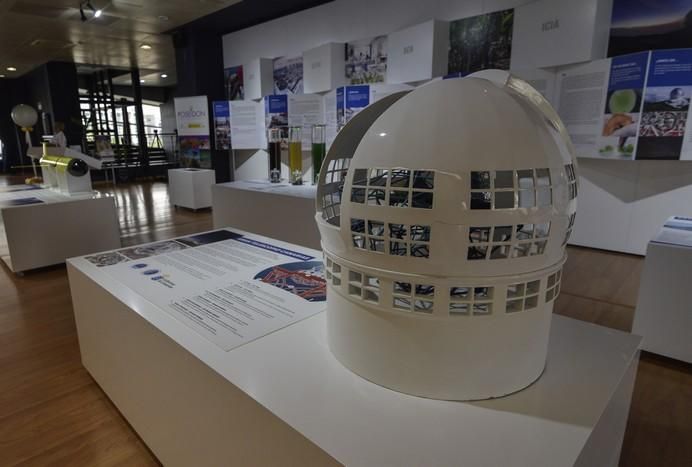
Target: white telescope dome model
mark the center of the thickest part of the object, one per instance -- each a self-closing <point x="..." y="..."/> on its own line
<point x="444" y="213"/>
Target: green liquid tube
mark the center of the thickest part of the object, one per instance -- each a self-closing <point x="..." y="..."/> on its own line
<point x="295" y="155"/>
<point x="319" y="150"/>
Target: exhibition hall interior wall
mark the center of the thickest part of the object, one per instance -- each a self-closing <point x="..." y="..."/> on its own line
<point x="338" y="21"/>
<point x="622" y="204"/>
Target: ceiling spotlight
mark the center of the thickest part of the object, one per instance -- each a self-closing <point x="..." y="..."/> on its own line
<point x="164" y="75"/>
<point x="2" y="76"/>
<point x="11" y="68"/>
<point x="145" y="46"/>
<point x="89" y="5"/>
<point x="142" y="81"/>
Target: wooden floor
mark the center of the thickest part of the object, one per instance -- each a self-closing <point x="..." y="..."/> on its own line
<point x="52" y="412"/>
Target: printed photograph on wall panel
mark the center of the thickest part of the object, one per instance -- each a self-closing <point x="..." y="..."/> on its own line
<point x="666" y="106"/>
<point x="366" y="60"/>
<point x="639" y="25"/>
<point x="622" y="106"/>
<point x="222" y="125"/>
<point x="288" y="75"/>
<point x="233" y="81"/>
<point x="276" y="113"/>
<point x="481" y="42"/>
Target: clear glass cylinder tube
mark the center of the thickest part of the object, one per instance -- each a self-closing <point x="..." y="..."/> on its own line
<point x="295" y="155"/>
<point x="319" y="150"/>
<point x="274" y="150"/>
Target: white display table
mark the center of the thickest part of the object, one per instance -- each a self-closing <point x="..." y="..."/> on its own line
<point x="283" y="399"/>
<point x="41" y="227"/>
<point x="191" y="188"/>
<point x="664" y="312"/>
<point x="277" y="210"/>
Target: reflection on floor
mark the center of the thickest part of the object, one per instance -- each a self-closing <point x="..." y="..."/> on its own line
<point x="51" y="411"/>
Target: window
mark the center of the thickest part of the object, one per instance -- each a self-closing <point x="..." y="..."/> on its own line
<point x="413" y="297"/>
<point x="507" y="241"/>
<point x="333" y="273"/>
<point x="571" y="181"/>
<point x="397" y="187"/>
<point x="467" y="300"/>
<point x="333" y="189"/>
<point x="511" y="189"/>
<point x="553" y="286"/>
<point x="522" y="296"/>
<point x="570" y="226"/>
<point x="364" y="286"/>
<point x="395" y="239"/>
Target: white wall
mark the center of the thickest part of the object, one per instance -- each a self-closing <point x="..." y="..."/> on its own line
<point x="621" y="204"/>
<point x="337" y="21"/>
<point x="343" y="21"/>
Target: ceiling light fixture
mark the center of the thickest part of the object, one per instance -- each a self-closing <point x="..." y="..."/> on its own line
<point x="142" y="81"/>
<point x="2" y="76"/>
<point x="89" y="5"/>
<point x="11" y="68"/>
<point x="164" y="75"/>
<point x="145" y="47"/>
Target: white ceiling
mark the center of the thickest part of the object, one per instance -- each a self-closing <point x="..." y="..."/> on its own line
<point x="33" y="32"/>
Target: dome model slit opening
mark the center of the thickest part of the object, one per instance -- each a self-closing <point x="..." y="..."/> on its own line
<point x="444" y="253"/>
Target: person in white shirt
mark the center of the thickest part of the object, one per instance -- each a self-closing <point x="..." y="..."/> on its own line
<point x="59" y="138"/>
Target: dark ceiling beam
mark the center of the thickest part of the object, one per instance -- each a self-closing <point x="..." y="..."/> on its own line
<point x="246" y="14"/>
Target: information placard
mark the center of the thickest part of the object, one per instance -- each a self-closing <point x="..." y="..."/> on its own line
<point x="228" y="286"/>
<point x="246" y="125"/>
<point x="305" y="111"/>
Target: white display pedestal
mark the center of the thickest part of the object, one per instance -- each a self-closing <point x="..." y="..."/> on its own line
<point x="283" y="399"/>
<point x="56" y="228"/>
<point x="664" y="316"/>
<point x="277" y="210"/>
<point x="191" y="188"/>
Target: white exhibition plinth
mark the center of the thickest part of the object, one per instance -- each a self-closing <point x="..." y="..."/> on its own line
<point x="277" y="210"/>
<point x="191" y="188"/>
<point x="284" y="400"/>
<point x="54" y="226"/>
<point x="663" y="316"/>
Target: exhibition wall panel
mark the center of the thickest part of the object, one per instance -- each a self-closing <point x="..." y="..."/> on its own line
<point x="338" y="21"/>
<point x="622" y="205"/>
<point x="343" y="21"/>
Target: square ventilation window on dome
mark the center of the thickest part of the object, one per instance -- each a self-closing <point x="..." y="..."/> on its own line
<point x="467" y="301"/>
<point x="511" y="189"/>
<point x="395" y="187"/>
<point x="553" y="286"/>
<point x="418" y="298"/>
<point x="522" y="296"/>
<point x="507" y="241"/>
<point x="363" y="286"/>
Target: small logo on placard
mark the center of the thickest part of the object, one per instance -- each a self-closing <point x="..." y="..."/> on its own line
<point x="316" y="65"/>
<point x="408" y="49"/>
<point x="550" y="25"/>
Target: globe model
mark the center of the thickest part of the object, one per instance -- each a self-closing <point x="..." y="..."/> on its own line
<point x="444" y="213"/>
